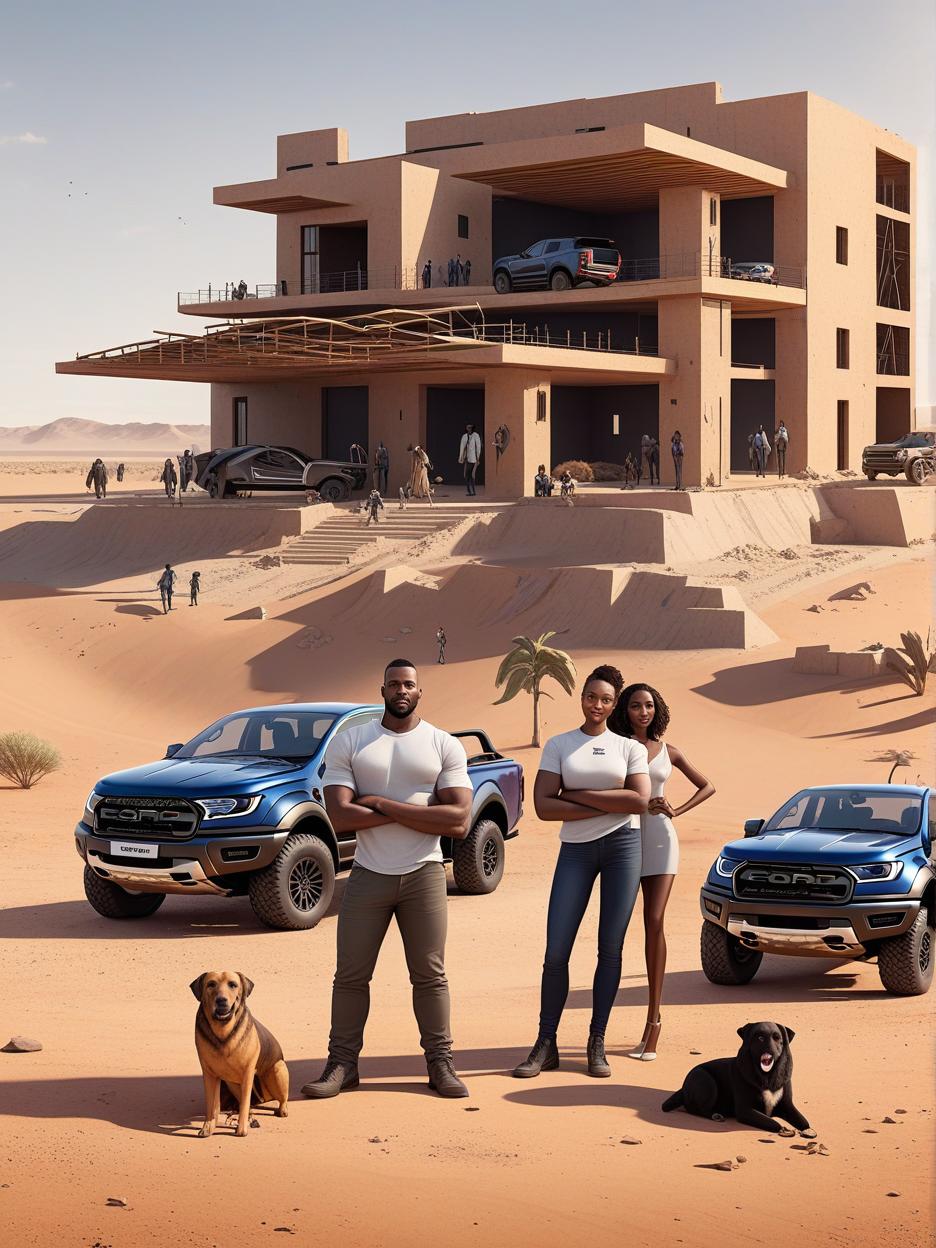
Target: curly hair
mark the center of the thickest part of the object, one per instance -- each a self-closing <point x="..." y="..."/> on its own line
<point x="609" y="674"/>
<point x="619" y="720"/>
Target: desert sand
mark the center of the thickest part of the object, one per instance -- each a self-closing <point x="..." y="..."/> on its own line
<point x="109" y="1107"/>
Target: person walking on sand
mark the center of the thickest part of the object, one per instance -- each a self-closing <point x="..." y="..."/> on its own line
<point x="374" y="506"/>
<point x="186" y="470"/>
<point x="169" y="479"/>
<point x="194" y="588"/>
<point x="398" y="784"/>
<point x="469" y="456"/>
<point x="442" y="640"/>
<point x="595" y="783"/>
<point x="650" y="450"/>
<point x="97" y="477"/>
<point x="761" y="451"/>
<point x="678" y="449"/>
<point x="419" y="476"/>
<point x="381" y="468"/>
<point x="120" y="472"/>
<point x="643" y="716"/>
<point x="166" y="587"/>
<point x="781" y="442"/>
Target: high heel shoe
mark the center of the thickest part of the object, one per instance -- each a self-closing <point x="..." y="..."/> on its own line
<point x="651" y="1032"/>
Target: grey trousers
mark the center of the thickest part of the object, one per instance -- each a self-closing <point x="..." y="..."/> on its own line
<point x="419" y="903"/>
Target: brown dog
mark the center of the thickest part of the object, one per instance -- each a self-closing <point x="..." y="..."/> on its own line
<point x="236" y="1050"/>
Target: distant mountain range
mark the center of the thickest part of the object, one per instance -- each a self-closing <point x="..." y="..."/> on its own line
<point x="71" y="434"/>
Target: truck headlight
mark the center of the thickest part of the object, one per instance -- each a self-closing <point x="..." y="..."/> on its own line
<point x="901" y="456"/>
<point x="228" y="807"/>
<point x="92" y="801"/>
<point x="726" y="867"/>
<point x="877" y="871"/>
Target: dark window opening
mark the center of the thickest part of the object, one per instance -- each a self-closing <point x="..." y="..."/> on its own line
<point x="747" y="230"/>
<point x="309" y="272"/>
<point x="588" y="129"/>
<point x="892" y="182"/>
<point x="842" y="437"/>
<point x="541" y="405"/>
<point x="713" y="211"/>
<point x="892" y="413"/>
<point x="308" y="165"/>
<point x="893" y="264"/>
<point x="462" y="225"/>
<point x="841" y="348"/>
<point x="239" y="411"/>
<point x="841" y="245"/>
<point x="893" y="350"/>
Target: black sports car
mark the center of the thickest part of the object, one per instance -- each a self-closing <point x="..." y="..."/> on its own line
<point x="239" y="469"/>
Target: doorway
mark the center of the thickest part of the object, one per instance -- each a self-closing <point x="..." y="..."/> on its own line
<point x="344" y="420"/>
<point x="752" y="405"/>
<point x="240" y="421"/>
<point x="448" y="410"/>
<point x="892" y="414"/>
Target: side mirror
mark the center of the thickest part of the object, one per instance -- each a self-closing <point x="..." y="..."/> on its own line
<point x="752" y="827"/>
<point x="172" y="750"/>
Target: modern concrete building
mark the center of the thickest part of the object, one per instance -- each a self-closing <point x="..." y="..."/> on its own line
<point x="360" y="337"/>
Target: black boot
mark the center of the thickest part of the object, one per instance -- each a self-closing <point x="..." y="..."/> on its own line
<point x="543" y="1056"/>
<point x="442" y="1077"/>
<point x="336" y="1077"/>
<point x="597" y="1062"/>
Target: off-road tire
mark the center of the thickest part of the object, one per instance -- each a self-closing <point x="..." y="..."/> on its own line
<point x="478" y="860"/>
<point x="872" y="476"/>
<point x="303" y="866"/>
<point x="905" y="963"/>
<point x="333" y="490"/>
<point x="502" y="282"/>
<point x="915" y="472"/>
<point x="724" y="959"/>
<point x="114" y="902"/>
<point x="560" y="280"/>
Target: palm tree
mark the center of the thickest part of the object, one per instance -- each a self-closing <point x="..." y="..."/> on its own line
<point x="900" y="758"/>
<point x="526" y="666"/>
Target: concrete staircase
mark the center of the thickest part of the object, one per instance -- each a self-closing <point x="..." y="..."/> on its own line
<point x="336" y="540"/>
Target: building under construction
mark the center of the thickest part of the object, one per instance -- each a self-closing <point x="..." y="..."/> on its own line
<point x="766" y="274"/>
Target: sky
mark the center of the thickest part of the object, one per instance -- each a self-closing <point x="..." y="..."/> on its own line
<point x="117" y="119"/>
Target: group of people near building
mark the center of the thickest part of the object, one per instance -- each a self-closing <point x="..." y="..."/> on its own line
<point x="760" y="450"/>
<point x="166" y="586"/>
<point x="400" y="784"/>
<point x="457" y="273"/>
<point x="173" y="482"/>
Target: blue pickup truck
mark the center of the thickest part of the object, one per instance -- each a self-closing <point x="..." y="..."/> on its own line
<point x="844" y="871"/>
<point x="239" y="810"/>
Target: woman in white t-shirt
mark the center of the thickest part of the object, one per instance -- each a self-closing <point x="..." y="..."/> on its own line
<point x="596" y="784"/>
<point x="641" y="715"/>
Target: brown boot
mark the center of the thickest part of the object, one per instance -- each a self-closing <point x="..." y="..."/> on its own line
<point x="442" y="1077"/>
<point x="336" y="1077"/>
<point x="598" y="1066"/>
<point x="543" y="1056"/>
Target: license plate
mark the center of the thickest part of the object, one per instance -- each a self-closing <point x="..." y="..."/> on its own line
<point x="133" y="849"/>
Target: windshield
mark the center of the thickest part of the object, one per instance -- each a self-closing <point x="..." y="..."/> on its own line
<point x="291" y="735"/>
<point x="914" y="439"/>
<point x="849" y="810"/>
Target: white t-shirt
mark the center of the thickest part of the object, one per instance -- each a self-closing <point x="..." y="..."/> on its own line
<point x="602" y="762"/>
<point x="406" y="767"/>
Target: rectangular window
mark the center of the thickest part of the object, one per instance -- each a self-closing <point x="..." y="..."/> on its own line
<point x="841" y="245"/>
<point x="713" y="211"/>
<point x="541" y="405"/>
<point x="842" y="440"/>
<point x="240" y="420"/>
<point x="841" y="348"/>
<point x="309" y="273"/>
<point x="616" y="424"/>
<point x="462" y="225"/>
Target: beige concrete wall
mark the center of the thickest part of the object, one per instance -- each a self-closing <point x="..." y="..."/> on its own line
<point x="685" y="229"/>
<point x="510" y="399"/>
<point x="283" y="413"/>
<point x="431" y="204"/>
<point x="697" y="399"/>
<point x="311" y="147"/>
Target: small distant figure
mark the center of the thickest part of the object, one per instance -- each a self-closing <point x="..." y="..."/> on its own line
<point x="194" y="587"/>
<point x="761" y="450"/>
<point x="97" y="477"/>
<point x="358" y="454"/>
<point x="313" y="496"/>
<point x="469" y="456"/>
<point x="752" y="458"/>
<point x="678" y="449"/>
<point x="374" y="506"/>
<point x="781" y="442"/>
<point x="466" y="273"/>
<point x="241" y="290"/>
<point x="542" y="483"/>
<point x="567" y="485"/>
<point x="427" y="275"/>
<point x="459" y="271"/>
<point x="120" y="472"/>
<point x="650" y="451"/>
<point x="631" y="471"/>
<point x="186" y="470"/>
<point x="166" y="586"/>
<point x="381" y="467"/>
<point x="451" y="271"/>
<point x="169" y="479"/>
<point x="419" y="486"/>
<point x="442" y="640"/>
<point x="404" y="495"/>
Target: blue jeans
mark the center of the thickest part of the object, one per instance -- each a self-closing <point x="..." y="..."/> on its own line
<point x="615" y="860"/>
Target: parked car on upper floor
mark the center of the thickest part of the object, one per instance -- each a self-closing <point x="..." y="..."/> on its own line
<point x="239" y="469"/>
<point x="559" y="264"/>
<point x="753" y="271"/>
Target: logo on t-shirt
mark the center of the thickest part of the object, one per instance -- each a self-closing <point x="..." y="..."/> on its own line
<point x="598" y="749"/>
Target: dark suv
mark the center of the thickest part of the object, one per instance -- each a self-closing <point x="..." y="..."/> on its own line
<point x="559" y="264"/>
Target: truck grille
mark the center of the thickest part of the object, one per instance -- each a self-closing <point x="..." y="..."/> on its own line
<point x="785" y="882"/>
<point x="155" y="817"/>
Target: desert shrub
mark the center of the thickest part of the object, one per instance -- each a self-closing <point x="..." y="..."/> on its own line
<point x="919" y="662"/>
<point x="603" y="471"/>
<point x="577" y="469"/>
<point x="24" y="759"/>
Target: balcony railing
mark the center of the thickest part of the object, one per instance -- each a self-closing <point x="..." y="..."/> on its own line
<point x="652" y="268"/>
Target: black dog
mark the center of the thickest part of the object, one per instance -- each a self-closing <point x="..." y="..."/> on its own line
<point x="750" y="1087"/>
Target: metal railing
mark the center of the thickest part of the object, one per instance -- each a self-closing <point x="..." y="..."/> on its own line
<point x="651" y="268"/>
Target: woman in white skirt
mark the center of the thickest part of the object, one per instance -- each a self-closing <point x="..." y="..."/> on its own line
<point x="642" y="714"/>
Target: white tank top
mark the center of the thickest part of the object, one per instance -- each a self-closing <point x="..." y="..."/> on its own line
<point x="660" y="771"/>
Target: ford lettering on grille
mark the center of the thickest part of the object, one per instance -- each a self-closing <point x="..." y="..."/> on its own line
<point x="147" y="816"/>
<point x="793" y="883"/>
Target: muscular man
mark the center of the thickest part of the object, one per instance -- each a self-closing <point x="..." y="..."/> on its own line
<point x="400" y="784"/>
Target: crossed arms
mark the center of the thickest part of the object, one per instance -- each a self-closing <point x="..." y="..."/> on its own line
<point x="449" y="812"/>
<point x="576" y="804"/>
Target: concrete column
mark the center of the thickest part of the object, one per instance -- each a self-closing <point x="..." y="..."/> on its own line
<point x="696" y="400"/>
<point x="395" y="414"/>
<point x="510" y="399"/>
<point x="687" y="232"/>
